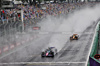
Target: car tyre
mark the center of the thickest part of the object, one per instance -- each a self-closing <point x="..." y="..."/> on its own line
<point x="42" y="55"/>
<point x="52" y="54"/>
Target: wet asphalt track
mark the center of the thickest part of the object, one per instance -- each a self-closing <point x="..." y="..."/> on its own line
<point x="74" y="53"/>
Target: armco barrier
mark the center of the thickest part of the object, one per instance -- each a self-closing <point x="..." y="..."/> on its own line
<point x="92" y="60"/>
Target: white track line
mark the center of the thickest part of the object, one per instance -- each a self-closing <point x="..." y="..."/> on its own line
<point x="41" y="63"/>
<point x="91" y="46"/>
<point x="20" y="48"/>
<point x="66" y="32"/>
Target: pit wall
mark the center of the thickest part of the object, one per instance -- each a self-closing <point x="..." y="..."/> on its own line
<point x="92" y="60"/>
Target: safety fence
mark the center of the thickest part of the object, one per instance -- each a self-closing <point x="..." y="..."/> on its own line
<point x="11" y="35"/>
<point x="92" y="60"/>
<point x="8" y="37"/>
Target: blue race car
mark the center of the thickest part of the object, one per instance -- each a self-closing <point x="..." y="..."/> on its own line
<point x="50" y="52"/>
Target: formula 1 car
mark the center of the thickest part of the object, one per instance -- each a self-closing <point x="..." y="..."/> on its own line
<point x="50" y="52"/>
<point x="74" y="37"/>
<point x="36" y="28"/>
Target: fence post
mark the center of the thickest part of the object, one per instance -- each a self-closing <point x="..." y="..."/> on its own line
<point x="22" y="20"/>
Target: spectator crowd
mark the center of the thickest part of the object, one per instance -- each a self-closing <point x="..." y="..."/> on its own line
<point x="33" y="12"/>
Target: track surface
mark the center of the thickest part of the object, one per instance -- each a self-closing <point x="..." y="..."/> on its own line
<point x="74" y="53"/>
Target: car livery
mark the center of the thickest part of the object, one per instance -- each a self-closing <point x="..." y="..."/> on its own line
<point x="50" y="52"/>
<point x="74" y="37"/>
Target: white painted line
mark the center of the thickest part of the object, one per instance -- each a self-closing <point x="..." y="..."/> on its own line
<point x="5" y="48"/>
<point x="12" y="46"/>
<point x="68" y="63"/>
<point x="66" y="33"/>
<point x="91" y="46"/>
<point x="19" y="48"/>
<point x="16" y="50"/>
<point x="44" y="32"/>
<point x="43" y="63"/>
<point x="18" y="44"/>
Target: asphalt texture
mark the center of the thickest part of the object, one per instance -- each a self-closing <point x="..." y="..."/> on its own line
<point x="74" y="53"/>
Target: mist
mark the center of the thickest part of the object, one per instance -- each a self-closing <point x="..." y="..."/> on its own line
<point x="63" y="27"/>
<point x="59" y="28"/>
